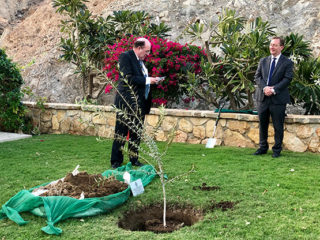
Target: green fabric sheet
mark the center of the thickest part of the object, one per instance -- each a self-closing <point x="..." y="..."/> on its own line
<point x="58" y="208"/>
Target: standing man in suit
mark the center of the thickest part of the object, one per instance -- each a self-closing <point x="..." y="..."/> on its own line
<point x="134" y="99"/>
<point x="273" y="77"/>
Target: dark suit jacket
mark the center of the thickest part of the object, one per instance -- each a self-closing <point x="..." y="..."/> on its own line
<point x="130" y="70"/>
<point x="281" y="78"/>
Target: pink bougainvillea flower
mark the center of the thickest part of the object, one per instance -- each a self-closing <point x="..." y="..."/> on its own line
<point x="167" y="59"/>
<point x="108" y="88"/>
<point x="109" y="75"/>
<point x="187" y="100"/>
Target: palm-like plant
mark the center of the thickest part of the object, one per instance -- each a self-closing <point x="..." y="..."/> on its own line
<point x="297" y="46"/>
<point x="305" y="87"/>
<point x="231" y="75"/>
<point x="137" y="24"/>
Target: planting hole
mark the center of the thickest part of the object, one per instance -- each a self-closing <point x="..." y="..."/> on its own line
<point x="150" y="218"/>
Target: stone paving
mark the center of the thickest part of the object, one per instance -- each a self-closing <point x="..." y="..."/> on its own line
<point x="6" y="137"/>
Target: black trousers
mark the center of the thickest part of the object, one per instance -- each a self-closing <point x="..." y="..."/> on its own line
<point x="123" y="126"/>
<point x="277" y="113"/>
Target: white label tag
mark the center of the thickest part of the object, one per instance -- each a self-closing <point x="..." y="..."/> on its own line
<point x="136" y="187"/>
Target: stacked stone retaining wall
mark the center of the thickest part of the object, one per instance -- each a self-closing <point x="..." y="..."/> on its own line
<point x="302" y="133"/>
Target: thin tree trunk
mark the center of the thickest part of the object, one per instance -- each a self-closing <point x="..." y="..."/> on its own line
<point x="90" y="86"/>
<point x="232" y="100"/>
<point x="250" y="100"/>
<point x="163" y="194"/>
<point x="164" y="202"/>
<point x="208" y="52"/>
<point x="101" y="91"/>
<point x="83" y="83"/>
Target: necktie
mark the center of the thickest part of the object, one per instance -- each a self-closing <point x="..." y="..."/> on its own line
<point x="273" y="64"/>
<point x="147" y="90"/>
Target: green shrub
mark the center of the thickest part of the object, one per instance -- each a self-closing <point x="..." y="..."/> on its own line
<point x="11" y="109"/>
<point x="296" y="46"/>
<point x="305" y="87"/>
<point x="229" y="75"/>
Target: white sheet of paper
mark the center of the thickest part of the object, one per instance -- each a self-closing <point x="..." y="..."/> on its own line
<point x="136" y="187"/>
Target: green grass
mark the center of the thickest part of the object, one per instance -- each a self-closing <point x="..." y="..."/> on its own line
<point x="274" y="202"/>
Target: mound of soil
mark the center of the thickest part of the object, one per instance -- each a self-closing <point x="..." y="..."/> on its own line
<point x="91" y="185"/>
<point x="204" y="187"/>
<point x="150" y="218"/>
<point x="223" y="205"/>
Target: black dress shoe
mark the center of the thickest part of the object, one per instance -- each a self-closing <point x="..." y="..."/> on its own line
<point x="275" y="155"/>
<point x="115" y="165"/>
<point x="260" y="152"/>
<point x="137" y="164"/>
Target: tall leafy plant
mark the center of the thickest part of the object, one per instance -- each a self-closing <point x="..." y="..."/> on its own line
<point x="86" y="37"/>
<point x="230" y="75"/>
<point x="296" y="46"/>
<point x="11" y="109"/>
<point x="305" y="87"/>
<point x="137" y="23"/>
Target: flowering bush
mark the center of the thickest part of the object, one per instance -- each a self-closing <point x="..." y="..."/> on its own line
<point x="169" y="59"/>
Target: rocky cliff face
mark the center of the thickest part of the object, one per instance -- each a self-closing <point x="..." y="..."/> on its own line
<point x="298" y="16"/>
<point x="30" y="31"/>
<point x="12" y="11"/>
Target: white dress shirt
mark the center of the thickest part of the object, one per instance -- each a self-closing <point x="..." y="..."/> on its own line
<point x="145" y="71"/>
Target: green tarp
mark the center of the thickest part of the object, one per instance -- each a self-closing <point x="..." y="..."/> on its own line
<point x="58" y="208"/>
<point x="223" y="110"/>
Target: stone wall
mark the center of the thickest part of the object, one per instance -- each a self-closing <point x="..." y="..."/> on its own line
<point x="302" y="133"/>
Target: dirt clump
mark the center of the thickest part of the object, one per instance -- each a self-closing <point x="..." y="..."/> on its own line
<point x="223" y="205"/>
<point x="204" y="187"/>
<point x="91" y="185"/>
<point x="150" y="218"/>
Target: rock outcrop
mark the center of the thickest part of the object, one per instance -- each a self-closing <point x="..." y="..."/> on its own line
<point x="30" y="31"/>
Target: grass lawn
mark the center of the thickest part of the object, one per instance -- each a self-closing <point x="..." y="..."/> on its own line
<point x="278" y="198"/>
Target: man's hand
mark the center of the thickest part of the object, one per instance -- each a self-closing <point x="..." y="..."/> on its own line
<point x="268" y="91"/>
<point x="156" y="80"/>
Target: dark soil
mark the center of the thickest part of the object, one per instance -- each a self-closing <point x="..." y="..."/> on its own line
<point x="94" y="185"/>
<point x="204" y="187"/>
<point x="223" y="205"/>
<point x="150" y="218"/>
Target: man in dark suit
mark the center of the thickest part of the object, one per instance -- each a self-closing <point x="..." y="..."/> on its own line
<point x="133" y="99"/>
<point x="273" y="77"/>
